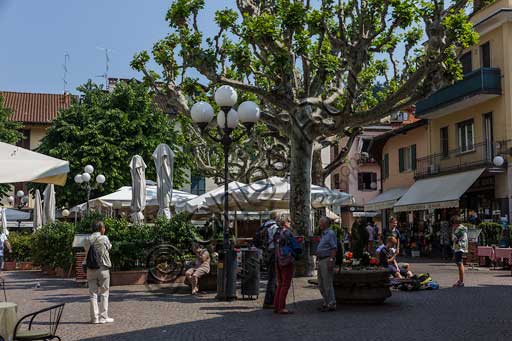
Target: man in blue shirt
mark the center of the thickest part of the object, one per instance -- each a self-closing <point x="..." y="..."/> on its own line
<point x="326" y="255"/>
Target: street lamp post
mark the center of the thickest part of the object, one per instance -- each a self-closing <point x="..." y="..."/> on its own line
<point x="227" y="119"/>
<point x="85" y="179"/>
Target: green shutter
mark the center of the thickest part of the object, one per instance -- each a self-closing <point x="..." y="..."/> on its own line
<point x="401" y="160"/>
<point x="413" y="156"/>
<point x="385" y="166"/>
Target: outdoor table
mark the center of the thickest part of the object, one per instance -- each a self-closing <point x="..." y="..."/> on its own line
<point x="484" y="251"/>
<point x="503" y="253"/>
<point x="7" y="319"/>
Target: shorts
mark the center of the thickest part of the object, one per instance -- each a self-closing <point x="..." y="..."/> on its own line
<point x="458" y="257"/>
<point x="393" y="270"/>
<point x="198" y="272"/>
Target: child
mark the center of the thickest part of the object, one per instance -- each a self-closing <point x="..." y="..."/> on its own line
<point x="460" y="246"/>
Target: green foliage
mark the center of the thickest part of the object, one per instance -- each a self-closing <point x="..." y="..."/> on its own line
<point x="84" y="226"/>
<point x="51" y="245"/>
<point x="106" y="130"/>
<point x="491" y="233"/>
<point x="9" y="133"/>
<point x="21" y="244"/>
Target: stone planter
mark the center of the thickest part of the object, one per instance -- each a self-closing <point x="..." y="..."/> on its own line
<point x="25" y="266"/>
<point x="133" y="277"/>
<point x="9" y="266"/>
<point x="362" y="286"/>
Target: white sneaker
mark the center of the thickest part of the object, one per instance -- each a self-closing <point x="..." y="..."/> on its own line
<point x="107" y="320"/>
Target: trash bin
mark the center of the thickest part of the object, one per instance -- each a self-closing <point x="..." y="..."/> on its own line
<point x="250" y="273"/>
<point x="226" y="291"/>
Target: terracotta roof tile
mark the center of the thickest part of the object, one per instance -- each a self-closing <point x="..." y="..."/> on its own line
<point x="35" y="107"/>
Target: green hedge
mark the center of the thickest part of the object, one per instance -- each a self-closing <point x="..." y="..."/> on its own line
<point x="21" y="247"/>
<point x="51" y="245"/>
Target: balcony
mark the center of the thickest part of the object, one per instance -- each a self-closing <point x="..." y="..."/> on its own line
<point x="480" y="155"/>
<point x="476" y="87"/>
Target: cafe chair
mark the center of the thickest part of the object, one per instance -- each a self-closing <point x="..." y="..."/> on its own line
<point x="54" y="314"/>
<point x="2" y="283"/>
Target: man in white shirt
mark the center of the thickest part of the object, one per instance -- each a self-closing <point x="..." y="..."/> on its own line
<point x="4" y="243"/>
<point x="99" y="278"/>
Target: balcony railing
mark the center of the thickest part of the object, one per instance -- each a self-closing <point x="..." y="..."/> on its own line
<point x="455" y="160"/>
<point x="481" y="81"/>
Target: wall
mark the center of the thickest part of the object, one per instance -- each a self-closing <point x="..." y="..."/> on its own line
<point x="416" y="136"/>
<point x="36" y="135"/>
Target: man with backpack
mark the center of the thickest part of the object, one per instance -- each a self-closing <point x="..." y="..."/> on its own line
<point x="264" y="240"/>
<point x="326" y="254"/>
<point x="98" y="275"/>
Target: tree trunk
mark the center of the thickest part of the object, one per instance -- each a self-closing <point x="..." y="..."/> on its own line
<point x="301" y="150"/>
<point x="317" y="169"/>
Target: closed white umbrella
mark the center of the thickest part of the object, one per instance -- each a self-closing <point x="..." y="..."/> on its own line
<point x="138" y="172"/>
<point x="164" y="162"/>
<point x="38" y="211"/>
<point x="3" y="220"/>
<point x="49" y="204"/>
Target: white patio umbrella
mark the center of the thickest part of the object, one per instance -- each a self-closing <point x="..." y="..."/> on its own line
<point x="138" y="203"/>
<point x="21" y="165"/>
<point x="49" y="204"/>
<point x="199" y="204"/>
<point x="38" y="211"/>
<point x="164" y="162"/>
<point x="3" y="220"/>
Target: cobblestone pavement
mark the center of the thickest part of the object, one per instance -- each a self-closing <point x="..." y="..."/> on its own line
<point x="481" y="310"/>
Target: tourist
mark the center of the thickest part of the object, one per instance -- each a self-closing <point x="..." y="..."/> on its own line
<point x="201" y="267"/>
<point x="395" y="232"/>
<point x="460" y="246"/>
<point x="287" y="250"/>
<point x="264" y="240"/>
<point x="388" y="259"/>
<point x="3" y="244"/>
<point x="98" y="276"/>
<point x="326" y="255"/>
<point x="371" y="236"/>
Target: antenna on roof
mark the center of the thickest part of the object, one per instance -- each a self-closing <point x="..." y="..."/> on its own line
<point x="65" y="77"/>
<point x="107" y="64"/>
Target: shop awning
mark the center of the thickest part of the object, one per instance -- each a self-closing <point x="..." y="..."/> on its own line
<point x="386" y="199"/>
<point x="439" y="192"/>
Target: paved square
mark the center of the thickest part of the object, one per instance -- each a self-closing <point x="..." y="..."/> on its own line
<point x="480" y="311"/>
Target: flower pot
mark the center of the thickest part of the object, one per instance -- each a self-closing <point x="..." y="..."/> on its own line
<point x="9" y="266"/>
<point x="133" y="277"/>
<point x="362" y="286"/>
<point x="25" y="266"/>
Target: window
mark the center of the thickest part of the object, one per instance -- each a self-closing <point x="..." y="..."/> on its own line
<point x="336" y="181"/>
<point x="365" y="143"/>
<point x="407" y="158"/>
<point x="197" y="185"/>
<point x="367" y="181"/>
<point x="466" y="62"/>
<point x="465" y="136"/>
<point x="385" y="166"/>
<point x="444" y="142"/>
<point x="485" y="54"/>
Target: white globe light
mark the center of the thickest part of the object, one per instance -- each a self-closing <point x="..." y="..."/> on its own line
<point x="201" y="112"/>
<point x="498" y="161"/>
<point x="221" y="119"/>
<point x="373" y="185"/>
<point x="11" y="199"/>
<point x="249" y="112"/>
<point x="86" y="177"/>
<point x="100" y="179"/>
<point x="65" y="213"/>
<point x="233" y="119"/>
<point x="78" y="179"/>
<point x="226" y="96"/>
<point x="89" y="169"/>
<point x="20" y="194"/>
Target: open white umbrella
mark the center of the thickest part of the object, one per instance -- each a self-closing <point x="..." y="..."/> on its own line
<point x="21" y="165"/>
<point x="138" y="172"/>
<point x="49" y="204"/>
<point x="164" y="162"/>
<point x="199" y="205"/>
<point x="38" y="211"/>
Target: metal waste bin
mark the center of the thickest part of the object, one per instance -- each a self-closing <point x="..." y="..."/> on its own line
<point x="226" y="291"/>
<point x="250" y="273"/>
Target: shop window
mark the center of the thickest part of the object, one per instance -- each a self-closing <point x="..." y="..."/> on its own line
<point x="336" y="178"/>
<point x="197" y="185"/>
<point x="466" y="62"/>
<point x="466" y="136"/>
<point x="367" y="181"/>
<point x="444" y="143"/>
<point x="385" y="166"/>
<point x="407" y="158"/>
<point x="485" y="53"/>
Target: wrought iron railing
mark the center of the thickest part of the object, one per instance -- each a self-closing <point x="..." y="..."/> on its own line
<point x="473" y="156"/>
<point x="481" y="81"/>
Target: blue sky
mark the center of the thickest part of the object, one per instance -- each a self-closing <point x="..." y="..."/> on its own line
<point x="38" y="33"/>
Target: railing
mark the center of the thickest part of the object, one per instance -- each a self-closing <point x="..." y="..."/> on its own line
<point x="481" y="81"/>
<point x="478" y="155"/>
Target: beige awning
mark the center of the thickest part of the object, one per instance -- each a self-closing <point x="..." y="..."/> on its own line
<point x="386" y="199"/>
<point x="438" y="192"/>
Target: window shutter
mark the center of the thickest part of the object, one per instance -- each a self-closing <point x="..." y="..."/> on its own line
<point x="413" y="157"/>
<point x="401" y="160"/>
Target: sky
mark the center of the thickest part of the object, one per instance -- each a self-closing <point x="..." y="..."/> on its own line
<point x="38" y="33"/>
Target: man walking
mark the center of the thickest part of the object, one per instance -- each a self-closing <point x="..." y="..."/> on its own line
<point x="326" y="254"/>
<point x="98" y="276"/>
<point x="460" y="246"/>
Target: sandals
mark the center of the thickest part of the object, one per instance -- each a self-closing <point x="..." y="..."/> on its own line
<point x="459" y="284"/>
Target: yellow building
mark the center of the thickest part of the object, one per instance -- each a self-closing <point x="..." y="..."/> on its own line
<point x="467" y="167"/>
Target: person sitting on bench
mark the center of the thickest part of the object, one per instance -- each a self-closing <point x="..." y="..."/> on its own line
<point x="200" y="268"/>
<point x="387" y="258"/>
